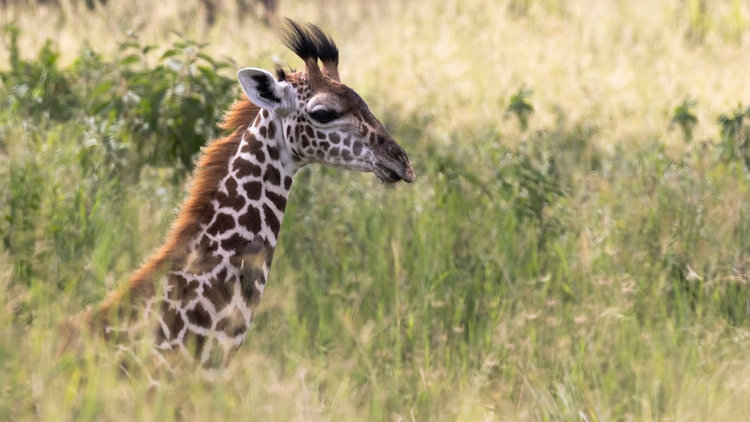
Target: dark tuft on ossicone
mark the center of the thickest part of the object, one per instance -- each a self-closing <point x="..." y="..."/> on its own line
<point x="309" y="42"/>
<point x="299" y="40"/>
<point x="327" y="50"/>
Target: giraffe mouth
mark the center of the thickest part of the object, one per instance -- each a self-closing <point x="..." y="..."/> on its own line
<point x="388" y="174"/>
<point x="391" y="164"/>
<point x="385" y="174"/>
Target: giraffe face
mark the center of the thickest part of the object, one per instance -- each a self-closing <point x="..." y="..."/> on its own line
<point x="336" y="128"/>
<point x="323" y="120"/>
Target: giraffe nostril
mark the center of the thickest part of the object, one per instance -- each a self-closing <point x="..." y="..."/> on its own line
<point x="397" y="153"/>
<point x="404" y="159"/>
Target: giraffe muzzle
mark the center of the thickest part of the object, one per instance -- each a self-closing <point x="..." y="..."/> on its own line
<point x="409" y="176"/>
<point x="395" y="166"/>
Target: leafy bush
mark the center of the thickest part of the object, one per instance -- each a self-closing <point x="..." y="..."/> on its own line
<point x="684" y="117"/>
<point x="37" y="87"/>
<point x="734" y="144"/>
<point x="521" y="107"/>
<point x="160" y="114"/>
<point x="530" y="181"/>
<point x="170" y="109"/>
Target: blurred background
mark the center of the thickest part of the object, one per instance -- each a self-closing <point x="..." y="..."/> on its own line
<point x="576" y="246"/>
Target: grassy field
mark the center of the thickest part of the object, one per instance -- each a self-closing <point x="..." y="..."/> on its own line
<point x="576" y="247"/>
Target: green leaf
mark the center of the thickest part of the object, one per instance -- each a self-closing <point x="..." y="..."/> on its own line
<point x="207" y="58"/>
<point x="129" y="59"/>
<point x="129" y="44"/>
<point x="170" y="53"/>
<point x="102" y="88"/>
<point x="208" y="74"/>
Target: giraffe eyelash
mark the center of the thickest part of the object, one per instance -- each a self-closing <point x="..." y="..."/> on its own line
<point x="324" y="116"/>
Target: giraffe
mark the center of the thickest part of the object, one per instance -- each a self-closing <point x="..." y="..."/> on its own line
<point x="199" y="292"/>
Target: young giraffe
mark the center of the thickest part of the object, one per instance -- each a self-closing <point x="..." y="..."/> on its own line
<point x="202" y="288"/>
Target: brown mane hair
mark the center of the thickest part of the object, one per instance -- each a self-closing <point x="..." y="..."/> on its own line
<point x="241" y="113"/>
<point x="210" y="168"/>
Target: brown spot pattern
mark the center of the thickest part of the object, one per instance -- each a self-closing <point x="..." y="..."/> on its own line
<point x="271" y="219"/>
<point x="189" y="296"/>
<point x="222" y="223"/>
<point x="173" y="319"/>
<point x="273" y="152"/>
<point x="260" y="156"/>
<point x="271" y="130"/>
<point x="246" y="168"/>
<point x="231" y="186"/>
<point x="250" y="220"/>
<point x="272" y="175"/>
<point x="199" y="316"/>
<point x="219" y="293"/>
<point x="278" y="200"/>
<point x="234" y="243"/>
<point x="253" y="189"/>
<point x="251" y="144"/>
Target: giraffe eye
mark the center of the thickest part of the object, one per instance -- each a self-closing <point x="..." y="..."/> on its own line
<point x="324" y="116"/>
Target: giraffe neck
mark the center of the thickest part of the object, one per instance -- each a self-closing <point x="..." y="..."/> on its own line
<point x="250" y="199"/>
<point x="212" y="292"/>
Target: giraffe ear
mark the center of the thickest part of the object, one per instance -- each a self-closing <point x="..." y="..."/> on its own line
<point x="265" y="91"/>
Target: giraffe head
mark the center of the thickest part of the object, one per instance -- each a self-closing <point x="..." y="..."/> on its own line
<point x="321" y="119"/>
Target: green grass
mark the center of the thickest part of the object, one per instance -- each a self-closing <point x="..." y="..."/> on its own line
<point x="586" y="264"/>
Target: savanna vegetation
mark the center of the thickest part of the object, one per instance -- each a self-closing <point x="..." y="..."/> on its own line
<point x="576" y="246"/>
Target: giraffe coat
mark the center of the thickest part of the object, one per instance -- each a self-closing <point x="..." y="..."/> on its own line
<point x="200" y="291"/>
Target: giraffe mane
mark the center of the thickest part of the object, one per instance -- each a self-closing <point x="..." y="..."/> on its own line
<point x="211" y="166"/>
<point x="241" y="112"/>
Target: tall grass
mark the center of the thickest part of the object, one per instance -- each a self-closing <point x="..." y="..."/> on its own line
<point x="564" y="255"/>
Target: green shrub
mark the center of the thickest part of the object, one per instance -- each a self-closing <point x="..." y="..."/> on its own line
<point x="734" y="144"/>
<point x="520" y="107"/>
<point x="170" y="109"/>
<point x="158" y="114"/>
<point x="684" y="117"/>
<point x="37" y="87"/>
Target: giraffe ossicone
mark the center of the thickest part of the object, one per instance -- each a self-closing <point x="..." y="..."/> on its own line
<point x="200" y="291"/>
